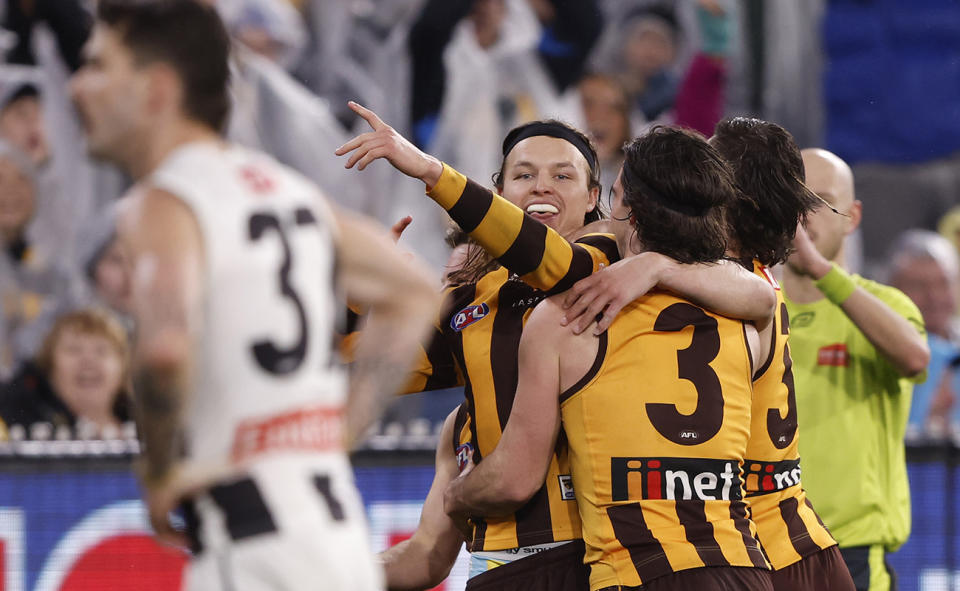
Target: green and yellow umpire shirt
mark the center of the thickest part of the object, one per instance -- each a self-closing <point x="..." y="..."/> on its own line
<point x="852" y="408"/>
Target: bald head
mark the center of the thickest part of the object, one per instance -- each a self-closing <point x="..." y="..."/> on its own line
<point x="829" y="177"/>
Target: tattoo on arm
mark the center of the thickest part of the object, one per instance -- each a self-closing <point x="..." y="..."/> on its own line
<point x="159" y="397"/>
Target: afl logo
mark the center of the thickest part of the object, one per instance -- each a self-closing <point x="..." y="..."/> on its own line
<point x="468" y="316"/>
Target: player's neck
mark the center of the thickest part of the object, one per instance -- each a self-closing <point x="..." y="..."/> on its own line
<point x="167" y="139"/>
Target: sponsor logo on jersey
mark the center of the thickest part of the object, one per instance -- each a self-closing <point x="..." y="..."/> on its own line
<point x="307" y="429"/>
<point x="767" y="477"/>
<point x="675" y="479"/>
<point x="464" y="451"/>
<point x="468" y="316"/>
<point x="802" y="319"/>
<point x="833" y="355"/>
<point x="566" y="487"/>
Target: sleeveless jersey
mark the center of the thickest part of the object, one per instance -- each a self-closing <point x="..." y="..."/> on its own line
<point x="787" y="525"/>
<point x="657" y="433"/>
<point x="267" y="379"/>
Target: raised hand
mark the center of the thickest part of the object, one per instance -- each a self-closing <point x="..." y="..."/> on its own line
<point x="384" y="142"/>
<point x="806" y="259"/>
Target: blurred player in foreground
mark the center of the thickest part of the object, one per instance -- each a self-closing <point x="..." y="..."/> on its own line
<point x="238" y="268"/>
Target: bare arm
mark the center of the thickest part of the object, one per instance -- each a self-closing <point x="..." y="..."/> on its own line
<point x="401" y="301"/>
<point x="167" y="291"/>
<point x="892" y="334"/>
<point x="506" y="479"/>
<point x="424" y="560"/>
<point x="725" y="288"/>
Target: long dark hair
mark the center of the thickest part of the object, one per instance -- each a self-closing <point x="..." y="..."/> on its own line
<point x="677" y="186"/>
<point x="772" y="198"/>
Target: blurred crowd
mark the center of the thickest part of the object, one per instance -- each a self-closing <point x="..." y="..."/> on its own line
<point x="454" y="75"/>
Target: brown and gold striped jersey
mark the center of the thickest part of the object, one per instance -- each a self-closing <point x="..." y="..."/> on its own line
<point x="787" y="525"/>
<point x="477" y="340"/>
<point x="657" y="433"/>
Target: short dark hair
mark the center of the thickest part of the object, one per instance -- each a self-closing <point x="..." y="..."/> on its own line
<point x="592" y="183"/>
<point x="677" y="187"/>
<point x="190" y="37"/>
<point x="772" y="198"/>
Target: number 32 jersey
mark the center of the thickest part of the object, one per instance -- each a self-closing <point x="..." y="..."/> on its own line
<point x="267" y="378"/>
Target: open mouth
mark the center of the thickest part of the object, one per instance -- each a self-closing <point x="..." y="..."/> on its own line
<point x="542" y="211"/>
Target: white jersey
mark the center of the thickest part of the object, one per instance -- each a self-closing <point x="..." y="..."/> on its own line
<point x="268" y="379"/>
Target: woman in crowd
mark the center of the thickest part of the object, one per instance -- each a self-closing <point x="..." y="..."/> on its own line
<point x="81" y="374"/>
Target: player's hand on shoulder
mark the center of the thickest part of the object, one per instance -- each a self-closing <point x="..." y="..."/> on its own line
<point x="601" y="296"/>
<point x="385" y="142"/>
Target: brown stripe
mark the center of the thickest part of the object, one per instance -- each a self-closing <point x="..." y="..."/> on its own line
<point x="645" y="550"/>
<point x="581" y="265"/>
<point x="820" y="521"/>
<point x="472" y="206"/>
<point x="773" y="349"/>
<point x="444" y="369"/>
<point x="605" y="244"/>
<point x="526" y="252"/>
<point x="505" y="344"/>
<point x="591" y="373"/>
<point x="799" y="535"/>
<point x="351" y="323"/>
<point x="738" y="512"/>
<point x="699" y="531"/>
<point x="458" y="424"/>
<point x="534" y="524"/>
<point x="746" y="341"/>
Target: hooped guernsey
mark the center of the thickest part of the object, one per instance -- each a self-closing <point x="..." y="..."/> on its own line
<point x="657" y="432"/>
<point x="787" y="525"/>
<point x="476" y="342"/>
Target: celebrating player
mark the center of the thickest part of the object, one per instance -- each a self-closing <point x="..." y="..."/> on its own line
<point x="654" y="451"/>
<point x="237" y="265"/>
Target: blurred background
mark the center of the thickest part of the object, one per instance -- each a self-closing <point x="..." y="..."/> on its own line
<point x="875" y="81"/>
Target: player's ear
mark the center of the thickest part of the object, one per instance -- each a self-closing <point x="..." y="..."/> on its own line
<point x="856" y="214"/>
<point x="164" y="88"/>
<point x="592" y="198"/>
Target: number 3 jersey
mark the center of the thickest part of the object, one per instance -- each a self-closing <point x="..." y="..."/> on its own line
<point x="267" y="379"/>
<point x="787" y="525"/>
<point x="657" y="432"/>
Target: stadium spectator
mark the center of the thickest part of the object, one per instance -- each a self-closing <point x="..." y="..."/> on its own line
<point x="21" y="121"/>
<point x="857" y="347"/>
<point x="649" y="52"/>
<point x="924" y="265"/>
<point x="67" y="19"/>
<point x="34" y="286"/>
<point x="80" y="374"/>
<point x="606" y="115"/>
<point x="480" y="66"/>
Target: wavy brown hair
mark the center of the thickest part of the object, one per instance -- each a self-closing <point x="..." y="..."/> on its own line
<point x="772" y="199"/>
<point x="677" y="187"/>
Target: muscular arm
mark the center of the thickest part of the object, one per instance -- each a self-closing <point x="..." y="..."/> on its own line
<point x="167" y="293"/>
<point x="424" y="560"/>
<point x="724" y="287"/>
<point x="398" y="293"/>
<point x="506" y="479"/>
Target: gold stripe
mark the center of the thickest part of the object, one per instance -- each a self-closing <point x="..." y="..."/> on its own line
<point x="500" y="226"/>
<point x="448" y="189"/>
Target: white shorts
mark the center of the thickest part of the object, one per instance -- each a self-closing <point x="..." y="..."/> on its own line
<point x="287" y="526"/>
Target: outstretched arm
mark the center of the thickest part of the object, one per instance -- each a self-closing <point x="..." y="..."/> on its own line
<point x="543" y="258"/>
<point x="725" y="288"/>
<point x="508" y="477"/>
<point x="402" y="303"/>
<point x="425" y="559"/>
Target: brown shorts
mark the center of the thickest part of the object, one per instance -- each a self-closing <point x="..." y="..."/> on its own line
<point x="823" y="571"/>
<point x="709" y="578"/>
<point x="558" y="569"/>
